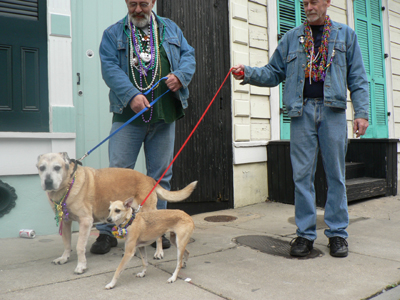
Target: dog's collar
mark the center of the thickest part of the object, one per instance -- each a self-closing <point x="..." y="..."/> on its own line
<point x="76" y="163"/>
<point x="120" y="231"/>
<point x="61" y="206"/>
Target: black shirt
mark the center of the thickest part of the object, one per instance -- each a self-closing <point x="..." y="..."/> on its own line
<point x="316" y="88"/>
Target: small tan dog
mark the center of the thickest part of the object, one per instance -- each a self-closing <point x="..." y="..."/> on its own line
<point x="148" y="227"/>
<point x="83" y="194"/>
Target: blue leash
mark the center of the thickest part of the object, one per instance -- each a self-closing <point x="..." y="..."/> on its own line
<point x="130" y="120"/>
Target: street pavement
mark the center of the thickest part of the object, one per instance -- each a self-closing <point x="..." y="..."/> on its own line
<point x="218" y="267"/>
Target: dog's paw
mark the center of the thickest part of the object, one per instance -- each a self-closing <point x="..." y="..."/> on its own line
<point x="159" y="255"/>
<point x="61" y="260"/>
<point x="109" y="286"/>
<point x="141" y="274"/>
<point x="80" y="269"/>
<point x="171" y="279"/>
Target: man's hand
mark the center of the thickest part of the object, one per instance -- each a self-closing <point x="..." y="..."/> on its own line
<point x="139" y="102"/>
<point x="237" y="69"/>
<point x="173" y="83"/>
<point x="360" y="126"/>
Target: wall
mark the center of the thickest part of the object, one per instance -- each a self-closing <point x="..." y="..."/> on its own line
<point x="256" y="118"/>
<point x="251" y="105"/>
<point x="32" y="210"/>
<point x="15" y="159"/>
<point x="20" y="149"/>
<point x="393" y="50"/>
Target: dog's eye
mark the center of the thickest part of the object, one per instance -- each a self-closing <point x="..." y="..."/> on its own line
<point x="117" y="211"/>
<point x="57" y="168"/>
<point x="42" y="168"/>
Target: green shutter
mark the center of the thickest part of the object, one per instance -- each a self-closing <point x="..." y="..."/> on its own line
<point x="24" y="104"/>
<point x="368" y="26"/>
<point x="290" y="15"/>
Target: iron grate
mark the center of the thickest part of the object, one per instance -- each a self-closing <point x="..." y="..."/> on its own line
<point x="220" y="218"/>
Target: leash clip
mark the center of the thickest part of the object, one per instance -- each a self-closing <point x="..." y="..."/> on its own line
<point x="82" y="158"/>
<point x="137" y="210"/>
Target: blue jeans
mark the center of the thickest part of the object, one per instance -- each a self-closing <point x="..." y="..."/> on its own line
<point x="320" y="128"/>
<point x="124" y="147"/>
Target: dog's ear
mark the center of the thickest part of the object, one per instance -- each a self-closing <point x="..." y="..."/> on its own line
<point x="66" y="159"/>
<point x="128" y="202"/>
<point x="38" y="158"/>
<point x="65" y="156"/>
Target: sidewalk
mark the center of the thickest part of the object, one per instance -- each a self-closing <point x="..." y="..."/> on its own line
<point x="218" y="268"/>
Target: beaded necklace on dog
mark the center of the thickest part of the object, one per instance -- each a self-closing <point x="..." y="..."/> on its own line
<point x="145" y="56"/>
<point x="61" y="207"/>
<point x="120" y="231"/>
<point x="316" y="66"/>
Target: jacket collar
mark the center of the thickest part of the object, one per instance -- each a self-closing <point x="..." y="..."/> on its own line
<point x="301" y="28"/>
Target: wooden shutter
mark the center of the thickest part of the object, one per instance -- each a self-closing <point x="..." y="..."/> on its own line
<point x="20" y="8"/>
<point x="368" y="26"/>
<point x="23" y="64"/>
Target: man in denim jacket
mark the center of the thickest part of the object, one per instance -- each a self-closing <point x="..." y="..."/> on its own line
<point x="136" y="53"/>
<point x="319" y="60"/>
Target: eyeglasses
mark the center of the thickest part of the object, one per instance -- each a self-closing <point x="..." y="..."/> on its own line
<point x="142" y="5"/>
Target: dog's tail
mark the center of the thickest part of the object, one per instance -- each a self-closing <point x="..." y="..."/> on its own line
<point x="175" y="196"/>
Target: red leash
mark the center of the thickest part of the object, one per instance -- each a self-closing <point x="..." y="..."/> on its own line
<point x="188" y="138"/>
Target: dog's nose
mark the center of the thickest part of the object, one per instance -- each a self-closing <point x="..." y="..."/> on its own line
<point x="48" y="183"/>
<point x="109" y="220"/>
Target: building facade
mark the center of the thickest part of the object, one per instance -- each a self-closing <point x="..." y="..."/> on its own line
<point x="53" y="99"/>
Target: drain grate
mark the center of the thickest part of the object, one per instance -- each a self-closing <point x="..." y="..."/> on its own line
<point x="272" y="246"/>
<point x="220" y="218"/>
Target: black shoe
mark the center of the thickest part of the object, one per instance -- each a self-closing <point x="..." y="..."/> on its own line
<point x="165" y="243"/>
<point x="300" y="247"/>
<point x="103" y="244"/>
<point x="338" y="246"/>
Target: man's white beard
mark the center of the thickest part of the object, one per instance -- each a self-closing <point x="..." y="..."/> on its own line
<point x="140" y="23"/>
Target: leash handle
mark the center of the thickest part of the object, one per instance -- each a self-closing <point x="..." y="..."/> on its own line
<point x="241" y="73"/>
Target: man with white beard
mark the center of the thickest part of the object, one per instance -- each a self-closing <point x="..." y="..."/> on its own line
<point x="320" y="60"/>
<point x="135" y="53"/>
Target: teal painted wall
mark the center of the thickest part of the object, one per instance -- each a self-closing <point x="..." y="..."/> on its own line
<point x="60" y="25"/>
<point x="32" y="210"/>
<point x="64" y="119"/>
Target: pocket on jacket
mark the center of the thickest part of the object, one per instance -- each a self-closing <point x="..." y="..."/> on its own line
<point x="123" y="60"/>
<point x="338" y="73"/>
<point x="175" y="47"/>
<point x="291" y="64"/>
<point x="340" y="54"/>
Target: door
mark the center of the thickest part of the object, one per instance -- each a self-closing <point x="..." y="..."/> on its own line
<point x="208" y="155"/>
<point x="89" y="19"/>
<point x="368" y="26"/>
<point x="290" y="15"/>
<point x="24" y="103"/>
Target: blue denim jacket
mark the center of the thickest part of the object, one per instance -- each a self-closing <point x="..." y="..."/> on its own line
<point x="114" y="56"/>
<point x="289" y="61"/>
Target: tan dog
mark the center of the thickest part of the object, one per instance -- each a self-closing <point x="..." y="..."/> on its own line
<point x="148" y="227"/>
<point x="90" y="195"/>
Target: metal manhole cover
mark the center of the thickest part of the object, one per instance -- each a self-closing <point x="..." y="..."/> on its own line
<point x="220" y="218"/>
<point x="272" y="246"/>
